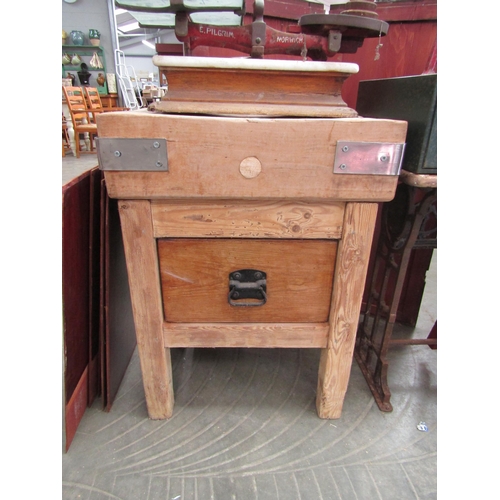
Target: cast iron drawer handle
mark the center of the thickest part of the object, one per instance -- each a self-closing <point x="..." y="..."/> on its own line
<point x="247" y="284"/>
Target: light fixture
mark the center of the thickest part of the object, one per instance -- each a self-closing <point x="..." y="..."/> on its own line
<point x="149" y="44"/>
<point x="129" y="27"/>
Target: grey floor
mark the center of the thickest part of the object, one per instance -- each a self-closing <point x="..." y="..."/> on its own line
<point x="72" y="167"/>
<point x="245" y="427"/>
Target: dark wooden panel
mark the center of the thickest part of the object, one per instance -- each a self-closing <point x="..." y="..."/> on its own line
<point x="103" y="358"/>
<point x="87" y="225"/>
<point x="94" y="283"/>
<point x="75" y="296"/>
<point x="75" y="274"/>
<point x="119" y="339"/>
<point x="75" y="408"/>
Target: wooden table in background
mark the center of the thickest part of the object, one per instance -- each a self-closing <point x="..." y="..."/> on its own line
<point x="109" y="100"/>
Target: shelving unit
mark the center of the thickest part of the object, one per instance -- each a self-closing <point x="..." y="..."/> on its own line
<point x="86" y="52"/>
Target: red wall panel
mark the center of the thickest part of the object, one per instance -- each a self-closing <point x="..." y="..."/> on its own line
<point x="409" y="48"/>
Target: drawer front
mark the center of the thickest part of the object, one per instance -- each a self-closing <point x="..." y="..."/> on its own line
<point x="195" y="279"/>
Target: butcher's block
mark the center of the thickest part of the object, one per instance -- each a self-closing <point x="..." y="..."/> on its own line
<point x="247" y="231"/>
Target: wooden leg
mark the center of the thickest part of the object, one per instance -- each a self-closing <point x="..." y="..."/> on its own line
<point x="86" y="139"/>
<point x="144" y="280"/>
<point x="350" y="275"/>
<point x="72" y="138"/>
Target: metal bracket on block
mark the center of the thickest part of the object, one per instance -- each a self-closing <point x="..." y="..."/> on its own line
<point x="372" y="158"/>
<point x="143" y="155"/>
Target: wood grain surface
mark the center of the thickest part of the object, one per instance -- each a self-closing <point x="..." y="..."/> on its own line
<point x="246" y="335"/>
<point x="142" y="265"/>
<point x="205" y="153"/>
<point x="195" y="279"/>
<point x="352" y="262"/>
<point x="247" y="219"/>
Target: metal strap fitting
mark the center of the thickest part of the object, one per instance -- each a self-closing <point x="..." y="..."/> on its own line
<point x="375" y="158"/>
<point x="143" y="155"/>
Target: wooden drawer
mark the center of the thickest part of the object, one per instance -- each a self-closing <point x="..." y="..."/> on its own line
<point x="194" y="275"/>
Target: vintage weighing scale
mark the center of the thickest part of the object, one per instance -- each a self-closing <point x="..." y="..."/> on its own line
<point x="248" y="195"/>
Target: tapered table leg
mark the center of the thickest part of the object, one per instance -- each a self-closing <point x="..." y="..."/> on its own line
<point x="348" y="286"/>
<point x="144" y="279"/>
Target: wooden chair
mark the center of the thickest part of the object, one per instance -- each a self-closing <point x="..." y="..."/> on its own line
<point x="81" y="118"/>
<point x="94" y="103"/>
<point x="93" y="100"/>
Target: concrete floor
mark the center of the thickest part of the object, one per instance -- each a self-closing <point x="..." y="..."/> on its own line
<point x="245" y="427"/>
<point x="72" y="167"/>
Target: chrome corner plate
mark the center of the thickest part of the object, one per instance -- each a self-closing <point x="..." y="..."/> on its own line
<point x="129" y="155"/>
<point x="368" y="158"/>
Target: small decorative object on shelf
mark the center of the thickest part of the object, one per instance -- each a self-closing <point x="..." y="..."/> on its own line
<point x="96" y="62"/>
<point x="71" y="77"/>
<point x="94" y="37"/>
<point x="76" y="60"/>
<point x="66" y="59"/>
<point x="111" y="79"/>
<point x="64" y="37"/>
<point x="84" y="74"/>
<point x="100" y="80"/>
<point x="77" y="37"/>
